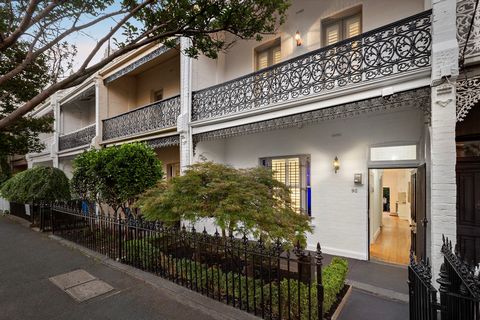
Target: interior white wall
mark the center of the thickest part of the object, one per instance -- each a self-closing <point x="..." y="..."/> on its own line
<point x="306" y="17"/>
<point x="339" y="208"/>
<point x="397" y="180"/>
<point x="376" y="203"/>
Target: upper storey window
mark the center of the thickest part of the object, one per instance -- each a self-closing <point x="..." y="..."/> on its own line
<point x="268" y="54"/>
<point x="342" y="26"/>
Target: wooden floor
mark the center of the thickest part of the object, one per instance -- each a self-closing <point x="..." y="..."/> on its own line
<point x="393" y="243"/>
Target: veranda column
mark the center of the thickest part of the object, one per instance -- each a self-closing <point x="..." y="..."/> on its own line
<point x="100" y="111"/>
<point x="183" y="126"/>
<point x="442" y="142"/>
<point x="56" y="127"/>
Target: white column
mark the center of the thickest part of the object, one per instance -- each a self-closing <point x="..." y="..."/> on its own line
<point x="442" y="140"/>
<point x="100" y="111"/>
<point x="56" y="126"/>
<point x="183" y="122"/>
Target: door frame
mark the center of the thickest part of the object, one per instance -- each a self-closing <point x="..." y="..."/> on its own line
<point x="380" y="167"/>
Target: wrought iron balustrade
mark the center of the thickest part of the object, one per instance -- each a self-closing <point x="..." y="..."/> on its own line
<point x="77" y="138"/>
<point x="393" y="49"/>
<point x="468" y="26"/>
<point x="159" y="115"/>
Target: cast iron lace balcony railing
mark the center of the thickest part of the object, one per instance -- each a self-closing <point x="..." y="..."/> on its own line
<point x="159" y="115"/>
<point x="397" y="48"/>
<point x="77" y="138"/>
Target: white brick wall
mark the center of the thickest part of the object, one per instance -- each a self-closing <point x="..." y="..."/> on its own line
<point x="443" y="154"/>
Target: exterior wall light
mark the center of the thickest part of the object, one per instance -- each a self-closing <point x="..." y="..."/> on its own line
<point x="298" y="38"/>
<point x="336" y="164"/>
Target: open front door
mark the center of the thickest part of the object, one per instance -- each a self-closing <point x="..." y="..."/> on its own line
<point x="418" y="212"/>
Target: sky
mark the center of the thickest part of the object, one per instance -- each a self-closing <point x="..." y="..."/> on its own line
<point x="88" y="38"/>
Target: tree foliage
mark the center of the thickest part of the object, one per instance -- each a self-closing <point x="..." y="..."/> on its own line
<point x="5" y="172"/>
<point x="116" y="175"/>
<point x="39" y="184"/>
<point x="39" y="30"/>
<point x="22" y="136"/>
<point x="244" y="201"/>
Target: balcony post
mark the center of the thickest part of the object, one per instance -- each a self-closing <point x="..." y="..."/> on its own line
<point x="183" y="123"/>
<point x="56" y="128"/>
<point x="100" y="110"/>
<point x="442" y="132"/>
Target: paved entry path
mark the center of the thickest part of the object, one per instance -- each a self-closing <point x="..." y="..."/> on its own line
<point x="28" y="259"/>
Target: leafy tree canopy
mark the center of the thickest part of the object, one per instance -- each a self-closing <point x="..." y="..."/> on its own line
<point x="22" y="136"/>
<point x="244" y="201"/>
<point x="39" y="184"/>
<point x="116" y="175"/>
<point x="37" y="34"/>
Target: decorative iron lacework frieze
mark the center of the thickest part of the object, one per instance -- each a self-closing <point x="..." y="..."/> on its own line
<point x="78" y="138"/>
<point x="419" y="98"/>
<point x="164" y="142"/>
<point x="468" y="94"/>
<point x="465" y="14"/>
<point x="134" y="65"/>
<point x="393" y="49"/>
<point x="159" y="115"/>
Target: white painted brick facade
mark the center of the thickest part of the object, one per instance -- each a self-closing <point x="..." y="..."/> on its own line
<point x="443" y="153"/>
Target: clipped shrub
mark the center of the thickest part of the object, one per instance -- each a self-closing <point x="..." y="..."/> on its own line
<point x="333" y="279"/>
<point x="116" y="175"/>
<point x="39" y="184"/>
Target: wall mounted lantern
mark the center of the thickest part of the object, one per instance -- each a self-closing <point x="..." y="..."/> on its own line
<point x="298" y="38"/>
<point x="336" y="164"/>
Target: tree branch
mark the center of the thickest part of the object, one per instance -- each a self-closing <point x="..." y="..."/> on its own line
<point x="28" y="21"/>
<point x="32" y="55"/>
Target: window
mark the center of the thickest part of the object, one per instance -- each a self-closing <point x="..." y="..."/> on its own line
<point x="294" y="172"/>
<point x="343" y="26"/>
<point x="157" y="95"/>
<point x="268" y="54"/>
<point x="394" y="153"/>
<point x="173" y="170"/>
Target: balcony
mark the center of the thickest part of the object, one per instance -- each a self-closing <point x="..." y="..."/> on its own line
<point x="47" y="142"/>
<point x="78" y="138"/>
<point x="469" y="50"/>
<point x="398" y="48"/>
<point x="156" y="116"/>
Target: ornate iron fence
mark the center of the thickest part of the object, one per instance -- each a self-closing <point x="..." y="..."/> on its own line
<point x="159" y="115"/>
<point x="468" y="28"/>
<point x="77" y="138"/>
<point x="396" y="48"/>
<point x="262" y="279"/>
<point x="459" y="289"/>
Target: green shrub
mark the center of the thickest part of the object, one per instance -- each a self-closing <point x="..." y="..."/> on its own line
<point x="116" y="175"/>
<point x="244" y="201"/>
<point x="141" y="253"/>
<point x="39" y="184"/>
<point x="333" y="279"/>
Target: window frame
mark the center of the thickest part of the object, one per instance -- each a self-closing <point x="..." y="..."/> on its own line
<point x="372" y="164"/>
<point x="269" y="48"/>
<point x="304" y="178"/>
<point x="154" y="94"/>
<point x="341" y="19"/>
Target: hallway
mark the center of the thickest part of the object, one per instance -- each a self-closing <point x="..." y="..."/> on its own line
<point x="393" y="242"/>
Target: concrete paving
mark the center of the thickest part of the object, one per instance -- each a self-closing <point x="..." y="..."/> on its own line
<point x="28" y="259"/>
<point x="365" y="306"/>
